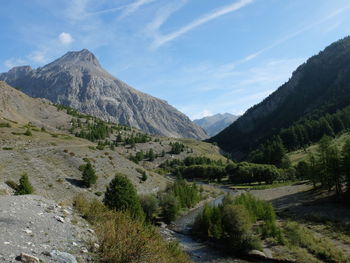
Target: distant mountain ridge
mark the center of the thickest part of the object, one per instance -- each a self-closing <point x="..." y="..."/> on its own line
<point x="318" y="87"/>
<point x="216" y="123"/>
<point x="78" y="80"/>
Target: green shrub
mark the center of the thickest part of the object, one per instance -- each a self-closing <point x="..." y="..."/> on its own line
<point x="260" y="210"/>
<point x="237" y="229"/>
<point x="5" y="125"/>
<point x="144" y="176"/>
<point x="28" y="132"/>
<point x="121" y="196"/>
<point x="7" y="148"/>
<point x="150" y="206"/>
<point x="170" y="207"/>
<point x="24" y="186"/>
<point x="89" y="176"/>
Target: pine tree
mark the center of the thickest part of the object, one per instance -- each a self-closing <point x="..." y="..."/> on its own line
<point x="89" y="175"/>
<point x="121" y="196"/>
<point x="346" y="161"/>
<point x="151" y="155"/>
<point x="24" y="186"/>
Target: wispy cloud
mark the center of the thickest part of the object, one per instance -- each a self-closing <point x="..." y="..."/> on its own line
<point x="162" y="39"/>
<point x="296" y="33"/>
<point x="232" y="90"/>
<point x="10" y="63"/>
<point x="133" y="7"/>
<point x="162" y="16"/>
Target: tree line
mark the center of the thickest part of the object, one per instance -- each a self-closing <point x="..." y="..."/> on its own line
<point x="238" y="173"/>
<point x="329" y="166"/>
<point x="300" y="135"/>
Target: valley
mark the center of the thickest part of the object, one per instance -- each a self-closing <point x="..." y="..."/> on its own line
<point x="92" y="170"/>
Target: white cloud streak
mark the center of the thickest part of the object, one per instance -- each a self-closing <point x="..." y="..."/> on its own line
<point x="296" y="33"/>
<point x="162" y="39"/>
<point x="133" y="7"/>
<point x="162" y="16"/>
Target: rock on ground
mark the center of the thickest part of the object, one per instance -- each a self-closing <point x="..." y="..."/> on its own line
<point x="29" y="225"/>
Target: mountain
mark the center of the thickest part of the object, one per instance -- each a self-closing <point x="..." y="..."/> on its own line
<point x="216" y="123"/>
<point x="317" y="88"/>
<point x="18" y="107"/>
<point x="78" y="80"/>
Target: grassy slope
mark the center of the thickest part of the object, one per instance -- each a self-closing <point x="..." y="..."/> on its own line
<point x="52" y="160"/>
<point x="301" y="155"/>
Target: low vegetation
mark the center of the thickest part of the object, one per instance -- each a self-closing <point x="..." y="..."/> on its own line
<point x="124" y="239"/>
<point x="24" y="187"/>
<point x="298" y="236"/>
<point x="231" y="223"/>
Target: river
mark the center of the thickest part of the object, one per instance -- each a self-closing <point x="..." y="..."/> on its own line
<point x="200" y="251"/>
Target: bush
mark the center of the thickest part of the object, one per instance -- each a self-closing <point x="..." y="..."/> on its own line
<point x="150" y="206"/>
<point x="121" y="196"/>
<point x="231" y="223"/>
<point x="123" y="239"/>
<point x="5" y="125"/>
<point x="24" y="186"/>
<point x="144" y="176"/>
<point x="28" y="132"/>
<point x="237" y="227"/>
<point x="89" y="176"/>
<point x="170" y="207"/>
<point x="260" y="210"/>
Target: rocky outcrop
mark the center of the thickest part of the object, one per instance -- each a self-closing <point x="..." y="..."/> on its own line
<point x="216" y="123"/>
<point x="78" y="80"/>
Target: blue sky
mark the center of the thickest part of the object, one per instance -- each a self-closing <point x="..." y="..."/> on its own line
<point x="202" y="56"/>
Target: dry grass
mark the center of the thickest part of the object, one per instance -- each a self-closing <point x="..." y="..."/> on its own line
<point x="298" y="236"/>
<point x="124" y="240"/>
<point x="203" y="149"/>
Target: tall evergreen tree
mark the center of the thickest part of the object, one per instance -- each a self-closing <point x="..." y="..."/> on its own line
<point x="346" y="161"/>
<point x="121" y="196"/>
<point x="89" y="175"/>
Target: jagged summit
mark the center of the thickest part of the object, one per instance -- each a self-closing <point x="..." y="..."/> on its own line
<point x="78" y="80"/>
<point x="83" y="57"/>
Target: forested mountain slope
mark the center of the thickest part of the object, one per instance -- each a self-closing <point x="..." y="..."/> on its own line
<point x="319" y="87"/>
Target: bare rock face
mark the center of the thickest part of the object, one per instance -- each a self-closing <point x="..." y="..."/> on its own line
<point x="78" y="80"/>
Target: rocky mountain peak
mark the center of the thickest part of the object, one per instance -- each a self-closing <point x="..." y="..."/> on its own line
<point x="82" y="57"/>
<point x="77" y="80"/>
